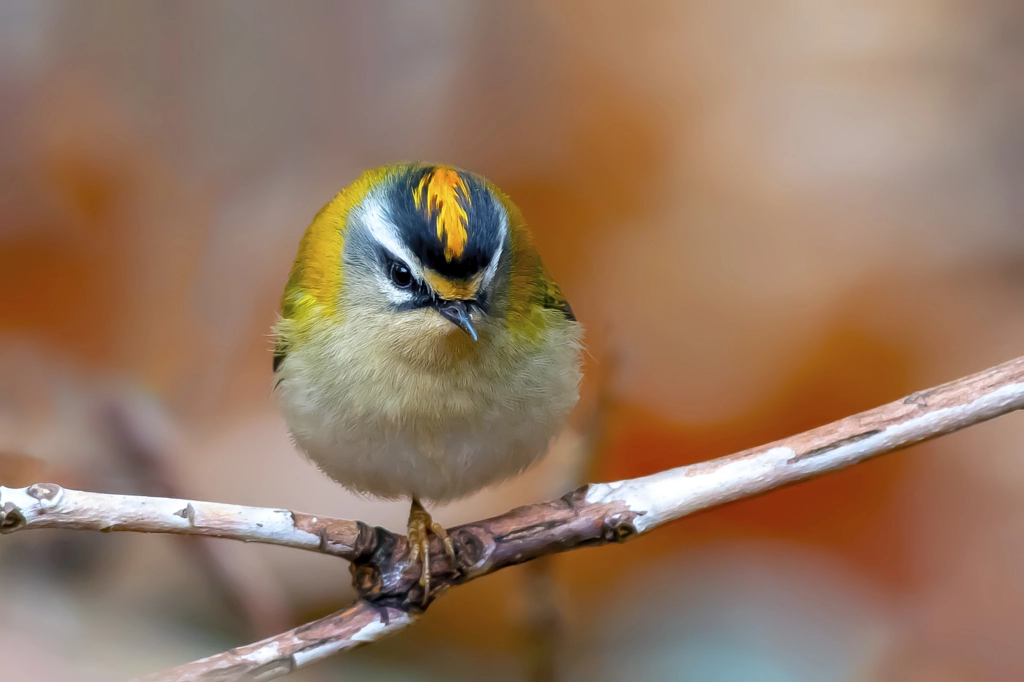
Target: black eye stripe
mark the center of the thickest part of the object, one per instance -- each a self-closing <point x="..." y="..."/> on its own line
<point x="389" y="263"/>
<point x="391" y="267"/>
<point x="421" y="295"/>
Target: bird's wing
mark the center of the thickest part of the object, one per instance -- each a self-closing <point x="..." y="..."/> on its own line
<point x="555" y="300"/>
<point x="280" y="351"/>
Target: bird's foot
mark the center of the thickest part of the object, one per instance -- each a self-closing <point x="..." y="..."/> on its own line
<point x="420" y="527"/>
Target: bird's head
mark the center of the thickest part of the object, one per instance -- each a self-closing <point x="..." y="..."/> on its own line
<point x="421" y="252"/>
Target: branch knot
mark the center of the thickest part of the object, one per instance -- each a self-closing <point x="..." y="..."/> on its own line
<point x="11" y="518"/>
<point x="46" y="493"/>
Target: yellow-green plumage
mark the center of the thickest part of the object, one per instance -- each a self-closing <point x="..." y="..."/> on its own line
<point x="392" y="399"/>
<point x="316" y="274"/>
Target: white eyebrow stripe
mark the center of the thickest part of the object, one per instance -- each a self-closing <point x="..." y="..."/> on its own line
<point x="386" y="234"/>
<point x="374" y="218"/>
<point x="492" y="267"/>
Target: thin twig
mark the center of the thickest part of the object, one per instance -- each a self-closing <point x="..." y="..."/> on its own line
<point x="596" y="514"/>
<point x="145" y="454"/>
<point x="544" y="622"/>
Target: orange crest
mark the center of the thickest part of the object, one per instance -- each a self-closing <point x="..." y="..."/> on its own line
<point x="442" y="188"/>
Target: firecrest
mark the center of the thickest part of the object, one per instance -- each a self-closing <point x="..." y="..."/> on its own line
<point x="423" y="350"/>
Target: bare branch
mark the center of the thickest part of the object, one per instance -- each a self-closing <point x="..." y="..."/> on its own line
<point x="47" y="505"/>
<point x="918" y="417"/>
<point x="278" y="656"/>
<point x="592" y="515"/>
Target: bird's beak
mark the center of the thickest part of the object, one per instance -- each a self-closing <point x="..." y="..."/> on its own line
<point x="457" y="312"/>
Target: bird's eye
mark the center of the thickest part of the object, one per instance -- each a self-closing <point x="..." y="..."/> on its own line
<point x="400" y="276"/>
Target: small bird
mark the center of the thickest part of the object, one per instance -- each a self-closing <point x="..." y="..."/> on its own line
<point x="423" y="350"/>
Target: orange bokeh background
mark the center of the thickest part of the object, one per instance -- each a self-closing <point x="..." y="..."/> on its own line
<point x="767" y="217"/>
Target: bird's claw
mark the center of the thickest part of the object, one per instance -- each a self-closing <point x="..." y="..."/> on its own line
<point x="421" y="525"/>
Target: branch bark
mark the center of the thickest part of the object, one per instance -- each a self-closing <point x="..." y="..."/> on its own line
<point x="274" y="657"/>
<point x="388" y="583"/>
<point x="47" y="505"/>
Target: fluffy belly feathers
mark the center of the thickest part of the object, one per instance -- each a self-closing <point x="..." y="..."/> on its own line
<point x="383" y="422"/>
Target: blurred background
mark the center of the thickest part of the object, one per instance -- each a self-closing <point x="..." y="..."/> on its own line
<point x="767" y="215"/>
